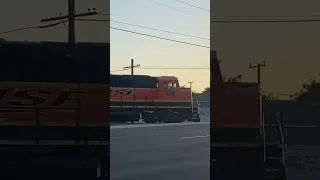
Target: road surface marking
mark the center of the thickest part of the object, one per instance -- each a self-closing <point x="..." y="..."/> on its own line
<point x="292" y="126"/>
<point x="304" y="146"/>
<point x="197" y="132"/>
<point x="156" y="125"/>
<point x="191" y="137"/>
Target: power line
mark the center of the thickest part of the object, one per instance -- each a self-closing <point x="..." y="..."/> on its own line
<point x="104" y="14"/>
<point x="192" y="5"/>
<point x="173" y="67"/>
<point x="158" y="37"/>
<point x="15" y="30"/>
<point x="161" y="68"/>
<point x="60" y="22"/>
<point x="263" y="17"/>
<point x="176" y="68"/>
<point x="179" y="10"/>
<point x="215" y="21"/>
<point x="71" y="20"/>
<point x="160" y="30"/>
<point x="49" y="25"/>
<point x="266" y="21"/>
<point x="33" y="27"/>
<point x="93" y="20"/>
<point x="119" y="70"/>
<point x="143" y="34"/>
<point x="155" y="29"/>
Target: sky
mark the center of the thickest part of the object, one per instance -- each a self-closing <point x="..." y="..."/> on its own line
<point x="148" y="51"/>
<point x="290" y="50"/>
<point x="15" y="14"/>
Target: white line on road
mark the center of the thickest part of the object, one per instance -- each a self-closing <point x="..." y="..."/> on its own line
<point x="303" y="146"/>
<point x="292" y="126"/>
<point x="156" y="125"/>
<point x="191" y="137"/>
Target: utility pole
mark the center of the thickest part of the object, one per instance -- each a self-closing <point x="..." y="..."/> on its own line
<point x="190" y="83"/>
<point x="131" y="67"/>
<point x="258" y="66"/>
<point x="71" y="26"/>
<point x="71" y="19"/>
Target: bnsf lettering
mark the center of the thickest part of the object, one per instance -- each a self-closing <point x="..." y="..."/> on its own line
<point x="27" y="99"/>
<point x="37" y="97"/>
<point x="117" y="92"/>
<point x="65" y="96"/>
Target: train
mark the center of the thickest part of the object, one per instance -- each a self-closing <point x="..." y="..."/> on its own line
<point x="151" y="99"/>
<point x="239" y="139"/>
<point x="53" y="118"/>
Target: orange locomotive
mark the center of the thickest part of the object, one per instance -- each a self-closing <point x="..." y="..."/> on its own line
<point x="53" y="116"/>
<point x="55" y="104"/>
<point x="154" y="99"/>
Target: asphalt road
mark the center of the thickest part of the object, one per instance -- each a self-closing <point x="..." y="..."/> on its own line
<point x="160" y="151"/>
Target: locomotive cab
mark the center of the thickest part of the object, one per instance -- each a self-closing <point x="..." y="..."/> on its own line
<point x="173" y="103"/>
<point x="167" y="86"/>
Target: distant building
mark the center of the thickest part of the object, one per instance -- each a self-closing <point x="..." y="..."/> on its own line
<point x="204" y="99"/>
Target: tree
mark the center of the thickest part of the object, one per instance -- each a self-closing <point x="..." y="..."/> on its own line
<point x="265" y="95"/>
<point x="238" y="78"/>
<point x="230" y="79"/>
<point x="269" y="96"/>
<point x="309" y="90"/>
<point x="206" y="90"/>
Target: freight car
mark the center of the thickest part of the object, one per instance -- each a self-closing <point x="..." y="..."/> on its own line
<point x="153" y="99"/>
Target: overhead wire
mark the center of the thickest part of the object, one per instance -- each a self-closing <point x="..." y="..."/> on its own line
<point x="233" y="21"/>
<point x="171" y="66"/>
<point x="119" y="29"/>
<point x="160" y="30"/>
<point x="158" y="37"/>
<point x="135" y="25"/>
<point x="214" y="19"/>
<point x="164" y="67"/>
<point x="33" y="27"/>
<point x="16" y="30"/>
<point x="192" y="5"/>
<point x="119" y="70"/>
<point x="265" y="16"/>
<point x="143" y="34"/>
<point x="107" y="14"/>
<point x="175" y="68"/>
<point x="185" y="12"/>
